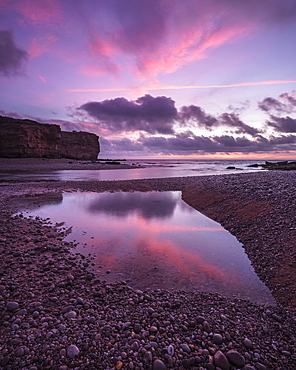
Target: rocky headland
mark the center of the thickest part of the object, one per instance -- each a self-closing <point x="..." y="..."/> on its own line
<point x="23" y="138"/>
<point x="56" y="314"/>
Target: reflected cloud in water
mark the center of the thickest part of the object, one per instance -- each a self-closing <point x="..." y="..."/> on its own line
<point x="158" y="205"/>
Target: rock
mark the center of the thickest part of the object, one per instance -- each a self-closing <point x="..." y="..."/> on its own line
<point x="23" y="138"/>
<point x="70" y="315"/>
<point x="137" y="328"/>
<point x="260" y="366"/>
<point x="217" y="338"/>
<point x="148" y="356"/>
<point x="220" y="360"/>
<point x="153" y="329"/>
<point x="135" y="346"/>
<point x="72" y="351"/>
<point x="171" y="350"/>
<point x="247" y="343"/>
<point x="235" y="358"/>
<point x="158" y="365"/>
<point x="118" y="365"/>
<point x="206" y="327"/>
<point x="185" y="348"/>
<point x="12" y="306"/>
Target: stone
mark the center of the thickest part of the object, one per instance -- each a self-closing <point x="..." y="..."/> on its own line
<point x="118" y="365"/>
<point x="220" y="360"/>
<point x="171" y="350"/>
<point x="235" y="358"/>
<point x="248" y="343"/>
<point x="72" y="351"/>
<point x="185" y="348"/>
<point x="70" y="315"/>
<point x="260" y="366"/>
<point x="12" y="306"/>
<point x="158" y="365"/>
<point x="206" y="327"/>
<point x="148" y="356"/>
<point x="137" y="328"/>
<point x="217" y="338"/>
<point x="153" y="329"/>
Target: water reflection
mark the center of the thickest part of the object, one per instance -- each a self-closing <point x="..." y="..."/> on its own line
<point x="156" y="240"/>
<point x="124" y="204"/>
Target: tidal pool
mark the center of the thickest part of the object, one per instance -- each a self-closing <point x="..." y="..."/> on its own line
<point x="155" y="240"/>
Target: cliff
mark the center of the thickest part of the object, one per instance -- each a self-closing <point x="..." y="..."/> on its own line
<point x="30" y="139"/>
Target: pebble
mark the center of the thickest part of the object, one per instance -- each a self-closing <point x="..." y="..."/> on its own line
<point x="111" y="323"/>
<point x="158" y="365"/>
<point x="217" y="339"/>
<point x="12" y="306"/>
<point x="235" y="358"/>
<point x="185" y="348"/>
<point x="248" y="343"/>
<point x="72" y="351"/>
<point x="220" y="360"/>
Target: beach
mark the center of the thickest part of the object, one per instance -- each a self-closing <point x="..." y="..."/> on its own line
<point x="56" y="314"/>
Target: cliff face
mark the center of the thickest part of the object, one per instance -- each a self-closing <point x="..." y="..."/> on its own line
<point x="86" y="143"/>
<point x="26" y="139"/>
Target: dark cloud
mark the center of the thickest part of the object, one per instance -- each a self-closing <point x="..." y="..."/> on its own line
<point x="195" y="115"/>
<point x="282" y="124"/>
<point x="158" y="115"/>
<point x="187" y="144"/>
<point x="233" y="120"/>
<point x="149" y="114"/>
<point x="11" y="57"/>
<point x="286" y="103"/>
<point x="120" y="145"/>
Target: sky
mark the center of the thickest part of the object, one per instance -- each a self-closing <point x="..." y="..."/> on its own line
<point x="156" y="78"/>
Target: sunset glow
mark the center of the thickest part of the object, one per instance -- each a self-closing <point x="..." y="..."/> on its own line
<point x="157" y="78"/>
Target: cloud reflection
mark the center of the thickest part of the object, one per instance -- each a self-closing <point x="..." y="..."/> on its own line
<point x="156" y="205"/>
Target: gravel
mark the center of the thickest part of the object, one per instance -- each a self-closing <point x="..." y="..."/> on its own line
<point x="56" y="314"/>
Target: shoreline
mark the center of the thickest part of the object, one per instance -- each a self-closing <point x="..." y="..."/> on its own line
<point x="47" y="164"/>
<point x="35" y="261"/>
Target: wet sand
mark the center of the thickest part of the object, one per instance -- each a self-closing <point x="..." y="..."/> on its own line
<point x="50" y="301"/>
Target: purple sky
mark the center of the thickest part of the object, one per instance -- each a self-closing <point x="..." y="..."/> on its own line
<point x="156" y="77"/>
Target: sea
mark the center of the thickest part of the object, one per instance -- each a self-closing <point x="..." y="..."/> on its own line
<point x="142" y="169"/>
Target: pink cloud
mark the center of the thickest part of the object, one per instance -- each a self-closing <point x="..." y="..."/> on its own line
<point x="42" y="79"/>
<point x="39" y="11"/>
<point x="42" y="45"/>
<point x="156" y="36"/>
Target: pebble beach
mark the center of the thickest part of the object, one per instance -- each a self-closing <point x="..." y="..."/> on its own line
<point x="56" y="314"/>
